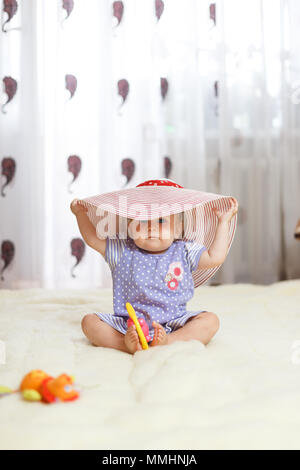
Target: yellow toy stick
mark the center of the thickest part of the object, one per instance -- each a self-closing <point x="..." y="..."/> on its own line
<point x="139" y="330"/>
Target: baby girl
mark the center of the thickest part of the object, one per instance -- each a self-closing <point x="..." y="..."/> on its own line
<point x="152" y="270"/>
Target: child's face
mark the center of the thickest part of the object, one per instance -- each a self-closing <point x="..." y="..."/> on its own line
<point x="155" y="235"/>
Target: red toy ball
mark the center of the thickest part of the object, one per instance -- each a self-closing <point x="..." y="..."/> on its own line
<point x="144" y="327"/>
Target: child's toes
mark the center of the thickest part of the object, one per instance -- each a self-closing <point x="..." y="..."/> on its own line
<point x="132" y="340"/>
<point x="160" y="336"/>
<point x="155" y="325"/>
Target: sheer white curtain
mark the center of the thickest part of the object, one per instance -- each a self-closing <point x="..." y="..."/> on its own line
<point x="258" y="138"/>
<point x="210" y="99"/>
<point x="22" y="216"/>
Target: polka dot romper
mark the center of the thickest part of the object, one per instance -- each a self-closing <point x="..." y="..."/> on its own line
<point x="158" y="286"/>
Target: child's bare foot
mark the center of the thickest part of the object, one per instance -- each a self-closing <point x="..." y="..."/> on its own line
<point x="160" y="337"/>
<point x="132" y="341"/>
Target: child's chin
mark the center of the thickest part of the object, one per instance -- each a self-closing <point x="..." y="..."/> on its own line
<point x="154" y="244"/>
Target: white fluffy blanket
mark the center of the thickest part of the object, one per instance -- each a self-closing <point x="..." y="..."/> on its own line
<point x="242" y="391"/>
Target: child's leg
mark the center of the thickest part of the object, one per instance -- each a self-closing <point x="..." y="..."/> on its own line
<point x="101" y="334"/>
<point x="201" y="327"/>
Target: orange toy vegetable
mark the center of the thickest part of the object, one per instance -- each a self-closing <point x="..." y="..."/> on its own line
<point x="33" y="380"/>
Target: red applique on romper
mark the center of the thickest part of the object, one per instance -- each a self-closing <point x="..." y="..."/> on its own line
<point x="174" y="275"/>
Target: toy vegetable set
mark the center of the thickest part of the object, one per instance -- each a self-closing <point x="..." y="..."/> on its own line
<point x="37" y="385"/>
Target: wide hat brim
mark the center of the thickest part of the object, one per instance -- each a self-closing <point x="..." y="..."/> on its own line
<point x="151" y="202"/>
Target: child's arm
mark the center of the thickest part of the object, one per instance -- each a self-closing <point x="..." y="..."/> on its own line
<point x="86" y="228"/>
<point x="216" y="255"/>
<point x="218" y="250"/>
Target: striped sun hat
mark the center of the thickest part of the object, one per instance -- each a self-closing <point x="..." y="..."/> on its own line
<point x="157" y="198"/>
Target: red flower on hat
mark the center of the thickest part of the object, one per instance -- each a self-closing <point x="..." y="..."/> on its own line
<point x="163" y="182"/>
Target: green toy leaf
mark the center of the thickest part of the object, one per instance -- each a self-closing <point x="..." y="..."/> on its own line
<point x="31" y="395"/>
<point x="5" y="390"/>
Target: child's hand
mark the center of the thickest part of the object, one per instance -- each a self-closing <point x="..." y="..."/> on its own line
<point x="227" y="216"/>
<point x="77" y="208"/>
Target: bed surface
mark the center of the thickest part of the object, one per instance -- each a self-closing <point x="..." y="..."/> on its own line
<point x="241" y="391"/>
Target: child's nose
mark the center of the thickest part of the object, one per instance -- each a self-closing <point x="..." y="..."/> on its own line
<point x="153" y="227"/>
